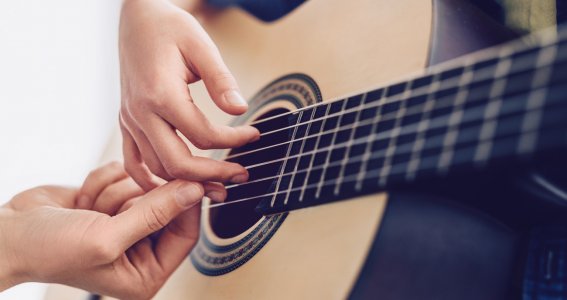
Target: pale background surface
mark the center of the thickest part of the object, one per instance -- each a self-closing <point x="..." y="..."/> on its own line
<point x="59" y="95"/>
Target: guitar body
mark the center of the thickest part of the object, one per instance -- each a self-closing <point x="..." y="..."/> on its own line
<point x="315" y="253"/>
<point x="396" y="245"/>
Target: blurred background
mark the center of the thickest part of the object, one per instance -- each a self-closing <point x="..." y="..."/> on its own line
<point x="59" y="95"/>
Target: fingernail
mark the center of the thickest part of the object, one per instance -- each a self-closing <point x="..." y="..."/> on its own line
<point x="253" y="132"/>
<point x="187" y="195"/>
<point x="83" y="201"/>
<point x="215" y="196"/>
<point x="240" y="178"/>
<point x="232" y="97"/>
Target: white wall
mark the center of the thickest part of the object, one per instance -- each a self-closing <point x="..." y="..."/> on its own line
<point x="59" y="95"/>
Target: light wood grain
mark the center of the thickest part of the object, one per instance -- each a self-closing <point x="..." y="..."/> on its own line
<point x="347" y="47"/>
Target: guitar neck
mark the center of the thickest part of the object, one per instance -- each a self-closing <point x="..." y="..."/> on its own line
<point x="509" y="106"/>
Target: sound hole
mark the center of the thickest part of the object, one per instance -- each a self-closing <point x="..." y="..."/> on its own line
<point x="234" y="219"/>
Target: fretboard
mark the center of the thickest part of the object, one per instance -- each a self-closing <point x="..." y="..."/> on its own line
<point x="453" y="119"/>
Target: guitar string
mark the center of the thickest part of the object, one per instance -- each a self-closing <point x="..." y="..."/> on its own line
<point x="385" y="100"/>
<point x="553" y="62"/>
<point x="443" y="102"/>
<point x="351" y="178"/>
<point x="372" y="157"/>
<point x="378" y="155"/>
<point x="375" y="137"/>
<point x="537" y="41"/>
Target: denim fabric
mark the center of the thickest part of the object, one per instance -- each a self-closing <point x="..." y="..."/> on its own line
<point x="546" y="268"/>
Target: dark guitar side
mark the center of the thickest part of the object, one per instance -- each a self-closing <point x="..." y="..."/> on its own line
<point x="433" y="243"/>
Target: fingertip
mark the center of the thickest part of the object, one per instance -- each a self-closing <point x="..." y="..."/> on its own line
<point x="252" y="133"/>
<point x="215" y="191"/>
<point x="239" y="178"/>
<point x="234" y="103"/>
<point x="188" y="194"/>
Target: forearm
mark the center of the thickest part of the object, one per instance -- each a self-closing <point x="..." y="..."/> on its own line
<point x="190" y="6"/>
<point x="9" y="274"/>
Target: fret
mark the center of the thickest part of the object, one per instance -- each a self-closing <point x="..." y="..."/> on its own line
<point x="279" y="181"/>
<point x="324" y="112"/>
<point x="490" y="120"/>
<point x="368" y="147"/>
<point x="413" y="164"/>
<point x="487" y="130"/>
<point x="536" y="99"/>
<point x="454" y="120"/>
<point x="348" y="147"/>
<point x="306" y="117"/>
<point x="327" y="155"/>
<point x="531" y="121"/>
<point x="545" y="57"/>
<point x="391" y="148"/>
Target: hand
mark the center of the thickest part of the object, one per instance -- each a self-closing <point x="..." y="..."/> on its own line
<point x="106" y="249"/>
<point x="163" y="49"/>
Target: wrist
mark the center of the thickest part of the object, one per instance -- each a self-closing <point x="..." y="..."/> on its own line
<point x="10" y="274"/>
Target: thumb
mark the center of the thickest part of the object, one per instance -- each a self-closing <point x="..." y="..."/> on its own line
<point x="155" y="210"/>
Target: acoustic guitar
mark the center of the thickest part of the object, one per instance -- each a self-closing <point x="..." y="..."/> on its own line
<point x="391" y="164"/>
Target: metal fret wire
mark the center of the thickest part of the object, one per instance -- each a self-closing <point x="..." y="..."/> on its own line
<point x="297" y="162"/>
<point x="368" y="148"/>
<point x="482" y="74"/>
<point x="482" y="153"/>
<point x="419" y="140"/>
<point x="393" y="136"/>
<point x="286" y="159"/>
<point x="519" y="107"/>
<point x="446" y="101"/>
<point x="328" y="154"/>
<point x="530" y="120"/>
<point x="348" y="147"/>
<point x="454" y="119"/>
<point x="312" y="157"/>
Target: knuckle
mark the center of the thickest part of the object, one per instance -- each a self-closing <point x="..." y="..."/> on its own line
<point x="109" y="194"/>
<point x="202" y="143"/>
<point x="115" y="166"/>
<point x="156" y="218"/>
<point x="176" y="171"/>
<point x="130" y="168"/>
<point x="153" y="97"/>
<point x="222" y="76"/>
<point x="103" y="251"/>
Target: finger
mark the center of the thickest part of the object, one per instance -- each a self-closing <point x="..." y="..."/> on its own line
<point x="153" y="211"/>
<point x="177" y="239"/>
<point x="215" y="191"/>
<point x="126" y="205"/>
<point x="181" y="235"/>
<point x="133" y="163"/>
<point x="97" y="181"/>
<point x="115" y="195"/>
<point x="190" y="121"/>
<point x="149" y="156"/>
<point x="179" y="163"/>
<point x="204" y="59"/>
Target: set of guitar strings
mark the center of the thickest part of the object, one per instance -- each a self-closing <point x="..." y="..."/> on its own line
<point x="547" y="57"/>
